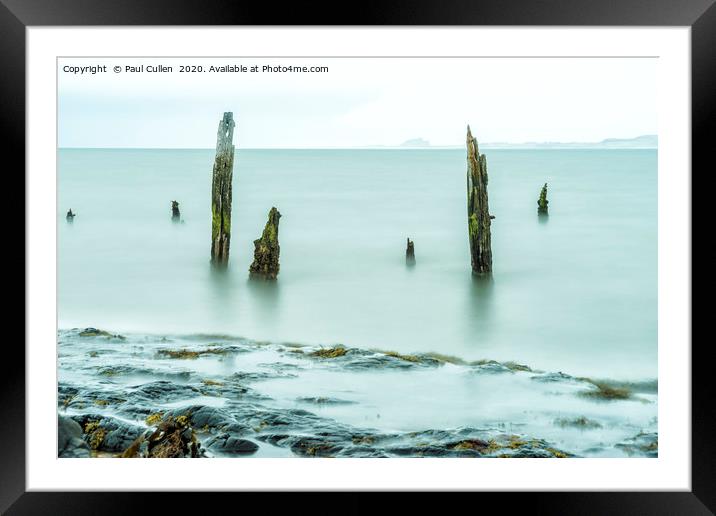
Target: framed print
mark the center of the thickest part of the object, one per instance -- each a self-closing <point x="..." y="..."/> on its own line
<point x="382" y="256"/>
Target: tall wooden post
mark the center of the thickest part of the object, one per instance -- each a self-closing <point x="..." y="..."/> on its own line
<point x="221" y="191"/>
<point x="478" y="212"/>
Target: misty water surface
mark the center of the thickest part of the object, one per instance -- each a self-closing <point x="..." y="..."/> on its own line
<point x="576" y="293"/>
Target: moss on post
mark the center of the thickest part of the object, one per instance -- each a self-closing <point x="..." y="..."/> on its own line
<point x="221" y="191"/>
<point x="266" y="249"/>
<point x="478" y="213"/>
<point x="542" y="202"/>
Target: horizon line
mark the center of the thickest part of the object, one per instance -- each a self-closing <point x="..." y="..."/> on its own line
<point x="494" y="146"/>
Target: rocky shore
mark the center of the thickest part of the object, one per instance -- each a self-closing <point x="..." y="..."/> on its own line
<point x="217" y="396"/>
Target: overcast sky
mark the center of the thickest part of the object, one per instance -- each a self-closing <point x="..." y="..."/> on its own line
<point x="359" y="102"/>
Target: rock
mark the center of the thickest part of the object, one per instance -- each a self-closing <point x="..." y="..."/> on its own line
<point x="558" y="377"/>
<point x="221" y="191"/>
<point x="266" y="249"/>
<point x="410" y="253"/>
<point x="580" y="422"/>
<point x="542" y="202"/>
<point x="644" y="444"/>
<point x="491" y="367"/>
<point x="226" y="444"/>
<point x="104" y="433"/>
<point x="478" y="213"/>
<point x="69" y="439"/>
<point x="161" y="391"/>
<point x="201" y="416"/>
<point x="94" y="332"/>
<point x="321" y="400"/>
<point x="173" y="439"/>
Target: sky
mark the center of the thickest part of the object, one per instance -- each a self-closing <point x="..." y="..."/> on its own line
<point x="359" y="102"/>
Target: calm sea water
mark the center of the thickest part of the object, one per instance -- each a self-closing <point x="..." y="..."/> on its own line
<point x="577" y="293"/>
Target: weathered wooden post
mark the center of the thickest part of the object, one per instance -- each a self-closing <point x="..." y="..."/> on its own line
<point x="70" y="216"/>
<point x="221" y="191"/>
<point x="542" y="202"/>
<point x="266" y="249"/>
<point x="410" y="253"/>
<point x="478" y="213"/>
<point x="175" y="212"/>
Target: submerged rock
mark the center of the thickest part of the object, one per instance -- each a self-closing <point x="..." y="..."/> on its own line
<point x="578" y="422"/>
<point x="69" y="439"/>
<point x="558" y="377"/>
<point x="321" y="400"/>
<point x="645" y="444"/>
<point x="267" y="250"/>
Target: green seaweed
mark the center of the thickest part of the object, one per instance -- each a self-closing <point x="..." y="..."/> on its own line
<point x="446" y="358"/>
<point x="407" y="358"/>
<point x="95" y="434"/>
<point x="154" y="419"/>
<point x="190" y="354"/>
<point x="335" y="352"/>
<point x="606" y="392"/>
<point x="579" y="422"/>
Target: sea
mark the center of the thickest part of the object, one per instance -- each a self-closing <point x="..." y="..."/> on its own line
<point x="575" y="291"/>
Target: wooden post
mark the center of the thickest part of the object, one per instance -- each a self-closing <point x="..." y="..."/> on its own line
<point x="221" y="191"/>
<point x="176" y="216"/>
<point x="410" y="253"/>
<point x="478" y="212"/>
<point x="542" y="202"/>
<point x="70" y="216"/>
<point x="266" y="249"/>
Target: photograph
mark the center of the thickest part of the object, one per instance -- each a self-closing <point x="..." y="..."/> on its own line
<point x="357" y="257"/>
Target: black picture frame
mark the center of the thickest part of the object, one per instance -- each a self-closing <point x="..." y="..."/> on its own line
<point x="700" y="15"/>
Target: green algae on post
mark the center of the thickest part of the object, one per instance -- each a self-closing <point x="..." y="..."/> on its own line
<point x="221" y="191"/>
<point x="267" y="250"/>
<point x="478" y="212"/>
<point x="542" y="202"/>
